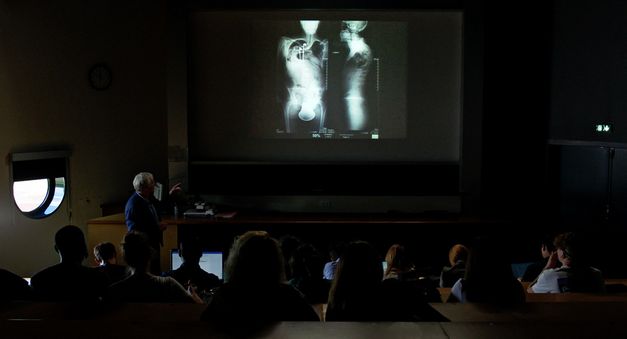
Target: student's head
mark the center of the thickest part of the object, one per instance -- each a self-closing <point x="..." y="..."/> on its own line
<point x="487" y="260"/>
<point x="144" y="183"/>
<point x="190" y="250"/>
<point x="569" y="249"/>
<point x="457" y="253"/>
<point x="288" y="244"/>
<point x="359" y="274"/>
<point x="398" y="259"/>
<point x="335" y="250"/>
<point x="105" y="253"/>
<point x="255" y="258"/>
<point x="69" y="242"/>
<point x="137" y="250"/>
<point x="307" y="262"/>
<point x="489" y="277"/>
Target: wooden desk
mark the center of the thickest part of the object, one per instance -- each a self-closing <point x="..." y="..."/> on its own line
<point x="552" y="320"/>
<point x="536" y="312"/>
<point x="79" y="329"/>
<point x="559" y="297"/>
<point x="112" y="228"/>
<point x="575" y="297"/>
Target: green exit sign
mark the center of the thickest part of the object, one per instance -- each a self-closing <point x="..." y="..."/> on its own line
<point x="604" y="128"/>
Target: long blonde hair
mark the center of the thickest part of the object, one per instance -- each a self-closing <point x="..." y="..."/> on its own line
<point x="255" y="258"/>
<point x="397" y="259"/>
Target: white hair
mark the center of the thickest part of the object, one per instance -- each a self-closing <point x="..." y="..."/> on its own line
<point x="142" y="180"/>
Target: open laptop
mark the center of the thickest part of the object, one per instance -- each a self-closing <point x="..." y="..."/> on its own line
<point x="210" y="262"/>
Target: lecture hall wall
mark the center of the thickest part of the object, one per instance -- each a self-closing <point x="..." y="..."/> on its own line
<point x="46" y="50"/>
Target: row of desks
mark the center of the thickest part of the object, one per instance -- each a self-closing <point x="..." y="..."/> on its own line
<point x="123" y="330"/>
<point x="566" y="297"/>
<point x="533" y="320"/>
<point x="596" y="311"/>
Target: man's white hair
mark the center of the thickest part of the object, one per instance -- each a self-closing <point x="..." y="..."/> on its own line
<point x="142" y="180"/>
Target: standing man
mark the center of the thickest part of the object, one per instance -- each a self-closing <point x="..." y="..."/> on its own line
<point x="141" y="216"/>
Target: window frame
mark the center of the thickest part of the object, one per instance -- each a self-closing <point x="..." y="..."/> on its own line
<point x="41" y="172"/>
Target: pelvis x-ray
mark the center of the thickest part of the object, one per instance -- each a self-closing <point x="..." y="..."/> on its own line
<point x="325" y="79"/>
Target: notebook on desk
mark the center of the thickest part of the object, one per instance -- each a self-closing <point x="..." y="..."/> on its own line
<point x="196" y="213"/>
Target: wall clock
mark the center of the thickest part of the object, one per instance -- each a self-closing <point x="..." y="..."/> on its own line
<point x="100" y="76"/>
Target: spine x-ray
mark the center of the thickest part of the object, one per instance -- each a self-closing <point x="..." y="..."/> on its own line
<point x="329" y="83"/>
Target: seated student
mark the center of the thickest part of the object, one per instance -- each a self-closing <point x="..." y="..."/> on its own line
<point x="407" y="291"/>
<point x="575" y="275"/>
<point x="546" y="249"/>
<point x="288" y="244"/>
<point x="358" y="293"/>
<point x="69" y="280"/>
<point x="13" y="287"/>
<point x="400" y="272"/>
<point x="190" y="274"/>
<point x="307" y="265"/>
<point x="489" y="278"/>
<point x="331" y="266"/>
<point x="255" y="292"/>
<point x="141" y="285"/>
<point x="106" y="257"/>
<point x="457" y="257"/>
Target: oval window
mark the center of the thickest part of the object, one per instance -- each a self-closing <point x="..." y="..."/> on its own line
<point x="39" y="182"/>
<point x="39" y="198"/>
<point x="30" y="194"/>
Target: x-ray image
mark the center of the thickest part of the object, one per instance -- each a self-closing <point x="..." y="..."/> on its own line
<point x="305" y="59"/>
<point x="355" y="73"/>
<point x="329" y="79"/>
<point x="325" y="78"/>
